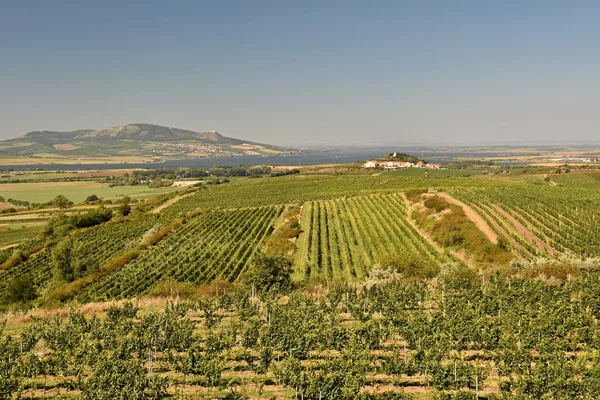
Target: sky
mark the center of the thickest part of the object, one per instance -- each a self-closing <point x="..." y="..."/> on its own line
<point x="306" y="72"/>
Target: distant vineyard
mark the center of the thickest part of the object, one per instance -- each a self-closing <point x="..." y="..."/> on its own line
<point x="343" y="238"/>
<point x="542" y="219"/>
<point x="289" y="189"/>
<point x="93" y="247"/>
<point x="217" y="244"/>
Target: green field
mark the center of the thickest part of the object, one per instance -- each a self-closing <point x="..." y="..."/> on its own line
<point x="18" y="231"/>
<point x="77" y="192"/>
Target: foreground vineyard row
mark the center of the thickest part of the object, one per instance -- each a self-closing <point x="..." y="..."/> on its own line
<point x="407" y="340"/>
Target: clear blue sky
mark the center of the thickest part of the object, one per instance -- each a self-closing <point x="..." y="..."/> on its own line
<point x="290" y="72"/>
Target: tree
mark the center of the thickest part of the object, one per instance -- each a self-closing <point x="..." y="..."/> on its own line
<point x="91" y="198"/>
<point x="20" y="290"/>
<point x="270" y="274"/>
<point x="125" y="208"/>
<point x="62" y="261"/>
<point x="61" y="201"/>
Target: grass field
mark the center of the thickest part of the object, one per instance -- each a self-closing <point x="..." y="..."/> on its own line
<point x="53" y="159"/>
<point x="18" y="232"/>
<point x="75" y="191"/>
<point x="16" y="177"/>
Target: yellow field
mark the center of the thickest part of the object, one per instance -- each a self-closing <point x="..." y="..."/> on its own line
<point x="77" y="192"/>
<point x="53" y="159"/>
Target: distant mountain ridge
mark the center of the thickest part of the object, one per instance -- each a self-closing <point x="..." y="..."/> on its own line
<point x="139" y="142"/>
<point x="138" y="131"/>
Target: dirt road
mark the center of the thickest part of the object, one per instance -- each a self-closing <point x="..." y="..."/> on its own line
<point x="168" y="203"/>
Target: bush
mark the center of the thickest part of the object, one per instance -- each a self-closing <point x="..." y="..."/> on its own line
<point x="437" y="203"/>
<point x="414" y="195"/>
<point x="456" y="275"/>
<point x="20" y="290"/>
<point x="410" y="265"/>
<point x="169" y="287"/>
<point x="61" y="224"/>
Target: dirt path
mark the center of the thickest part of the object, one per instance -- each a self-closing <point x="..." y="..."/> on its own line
<point x="8" y="246"/>
<point x="19" y="217"/>
<point x="168" y="203"/>
<point x="503" y="231"/>
<point x="473" y="216"/>
<point x="526" y="233"/>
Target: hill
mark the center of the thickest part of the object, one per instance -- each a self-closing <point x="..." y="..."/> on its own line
<point x="132" y="142"/>
<point x="419" y="287"/>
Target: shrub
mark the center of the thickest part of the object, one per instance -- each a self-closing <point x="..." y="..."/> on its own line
<point x="437" y="203"/>
<point x="414" y="195"/>
<point x="410" y="265"/>
<point x="169" y="287"/>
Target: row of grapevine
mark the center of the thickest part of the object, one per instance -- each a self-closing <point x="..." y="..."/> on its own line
<point x="564" y="219"/>
<point x="458" y="339"/>
<point x="216" y="244"/>
<point x="344" y="237"/>
<point x="92" y="247"/>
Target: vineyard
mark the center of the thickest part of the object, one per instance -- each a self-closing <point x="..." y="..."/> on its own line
<point x="344" y="237"/>
<point x="404" y="288"/>
<point x="463" y="339"/>
<point x="541" y="220"/>
<point x="347" y="224"/>
<point x="213" y="245"/>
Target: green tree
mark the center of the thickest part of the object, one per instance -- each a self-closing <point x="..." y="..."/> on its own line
<point x="270" y="274"/>
<point x="125" y="208"/>
<point x="20" y="290"/>
<point x="61" y="201"/>
<point x="62" y="260"/>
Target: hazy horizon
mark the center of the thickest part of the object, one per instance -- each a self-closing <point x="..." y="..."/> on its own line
<point x="307" y="73"/>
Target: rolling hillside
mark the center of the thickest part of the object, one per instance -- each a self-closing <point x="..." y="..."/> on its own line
<point x="137" y="142"/>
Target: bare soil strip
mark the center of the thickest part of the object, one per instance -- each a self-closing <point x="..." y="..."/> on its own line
<point x="526" y="233"/>
<point x="503" y="231"/>
<point x="168" y="203"/>
<point x="473" y="216"/>
<point x="8" y="246"/>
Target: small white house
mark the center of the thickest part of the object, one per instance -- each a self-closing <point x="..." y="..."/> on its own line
<point x="371" y="164"/>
